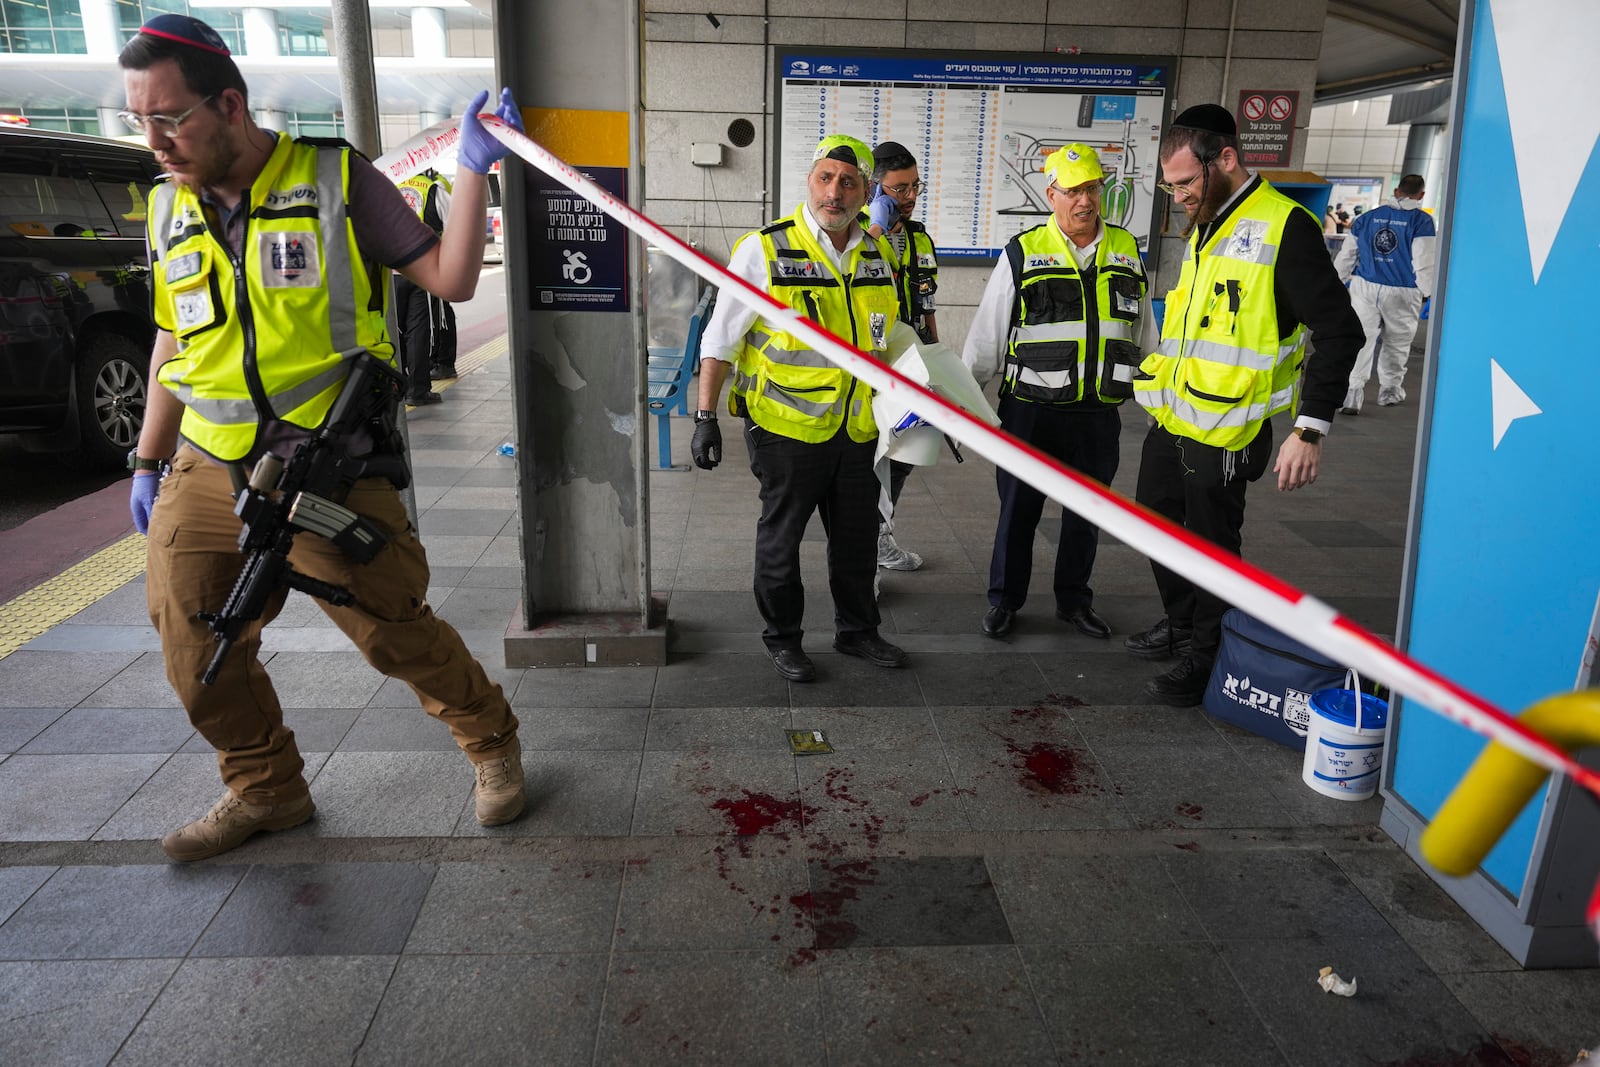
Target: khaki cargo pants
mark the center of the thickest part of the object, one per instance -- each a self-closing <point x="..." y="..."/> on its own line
<point x="192" y="565"/>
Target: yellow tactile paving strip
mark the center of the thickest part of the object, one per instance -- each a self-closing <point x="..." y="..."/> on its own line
<point x="52" y="602"/>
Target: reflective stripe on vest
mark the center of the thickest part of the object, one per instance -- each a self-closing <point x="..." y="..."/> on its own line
<point x="1221" y="368"/>
<point x="308" y="303"/>
<point x="1071" y="343"/>
<point x="786" y="386"/>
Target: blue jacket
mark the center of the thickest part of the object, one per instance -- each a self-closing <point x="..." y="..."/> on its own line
<point x="1386" y="241"/>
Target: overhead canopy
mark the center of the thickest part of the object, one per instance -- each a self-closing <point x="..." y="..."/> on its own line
<point x="1371" y="47"/>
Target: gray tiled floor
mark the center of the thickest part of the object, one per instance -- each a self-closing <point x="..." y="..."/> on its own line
<point x="1008" y="857"/>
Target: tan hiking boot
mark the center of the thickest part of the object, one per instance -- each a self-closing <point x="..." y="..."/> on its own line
<point x="229" y="822"/>
<point x="499" y="793"/>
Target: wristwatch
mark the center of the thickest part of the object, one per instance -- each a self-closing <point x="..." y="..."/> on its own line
<point x="704" y="415"/>
<point x="1309" y="435"/>
<point x="137" y="462"/>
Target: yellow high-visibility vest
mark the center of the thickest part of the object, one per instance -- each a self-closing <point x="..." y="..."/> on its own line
<point x="418" y="191"/>
<point x="788" y="387"/>
<point x="269" y="335"/>
<point x="1222" y="369"/>
<point x="1063" y="349"/>
<point x="918" y="267"/>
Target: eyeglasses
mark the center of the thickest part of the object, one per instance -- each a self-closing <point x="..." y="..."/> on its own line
<point x="167" y="124"/>
<point x="1186" y="187"/>
<point x="1086" y="191"/>
<point x="897" y="191"/>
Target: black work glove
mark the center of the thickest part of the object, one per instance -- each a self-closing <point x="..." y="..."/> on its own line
<point x="706" y="445"/>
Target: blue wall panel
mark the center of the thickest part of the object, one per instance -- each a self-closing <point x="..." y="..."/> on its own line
<point x="1505" y="559"/>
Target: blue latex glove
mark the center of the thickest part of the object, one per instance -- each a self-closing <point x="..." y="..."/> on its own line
<point x="883" y="211"/>
<point x="141" y="498"/>
<point x="479" y="149"/>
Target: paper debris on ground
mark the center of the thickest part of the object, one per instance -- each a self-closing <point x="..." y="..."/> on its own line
<point x="1332" y="983"/>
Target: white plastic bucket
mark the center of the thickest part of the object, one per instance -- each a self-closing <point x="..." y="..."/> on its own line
<point x="1344" y="747"/>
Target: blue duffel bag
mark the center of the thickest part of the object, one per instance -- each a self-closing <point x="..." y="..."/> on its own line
<point x="1263" y="680"/>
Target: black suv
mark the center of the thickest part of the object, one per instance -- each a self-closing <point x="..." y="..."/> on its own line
<point x="75" y="327"/>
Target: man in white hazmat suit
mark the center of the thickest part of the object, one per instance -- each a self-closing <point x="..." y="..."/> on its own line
<point x="1391" y="253"/>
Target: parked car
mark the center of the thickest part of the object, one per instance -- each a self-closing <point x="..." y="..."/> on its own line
<point x="494" y="246"/>
<point x="75" y="325"/>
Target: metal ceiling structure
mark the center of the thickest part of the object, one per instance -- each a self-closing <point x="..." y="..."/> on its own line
<point x="1371" y="48"/>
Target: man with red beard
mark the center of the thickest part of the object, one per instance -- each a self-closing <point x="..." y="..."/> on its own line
<point x="268" y="256"/>
<point x="1256" y="280"/>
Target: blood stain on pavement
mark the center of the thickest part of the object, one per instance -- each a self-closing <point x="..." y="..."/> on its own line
<point x="756" y="813"/>
<point x="1055" y="769"/>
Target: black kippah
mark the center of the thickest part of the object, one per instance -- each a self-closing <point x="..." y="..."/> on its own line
<point x="844" y="154"/>
<point x="1208" y="118"/>
<point x="889" y="150"/>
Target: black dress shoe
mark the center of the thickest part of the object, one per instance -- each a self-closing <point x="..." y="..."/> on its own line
<point x="1161" y="641"/>
<point x="872" y="648"/>
<point x="424" y="399"/>
<point x="1087" y="621"/>
<point x="439" y="374"/>
<point x="1183" y="686"/>
<point x="793" y="664"/>
<point x="997" y="622"/>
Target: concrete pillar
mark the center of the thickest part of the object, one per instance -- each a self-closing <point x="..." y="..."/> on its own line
<point x="261" y="32"/>
<point x="100" y="33"/>
<point x="1426" y="148"/>
<point x="110" y="124"/>
<point x="270" y="118"/>
<point x="429" y="38"/>
<point x="578" y="375"/>
<point x="358" y="81"/>
<point x="431" y="118"/>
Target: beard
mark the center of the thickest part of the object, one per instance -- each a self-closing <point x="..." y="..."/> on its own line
<point x="834" y="216"/>
<point x="1212" y="196"/>
<point x="206" y="165"/>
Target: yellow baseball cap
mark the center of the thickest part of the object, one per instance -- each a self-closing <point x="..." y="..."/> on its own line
<point x="1074" y="164"/>
<point x="845" y="150"/>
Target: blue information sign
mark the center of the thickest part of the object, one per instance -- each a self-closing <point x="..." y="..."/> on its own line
<point x="578" y="255"/>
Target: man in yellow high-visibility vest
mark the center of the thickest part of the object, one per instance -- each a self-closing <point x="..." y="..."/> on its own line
<point x="808" y="424"/>
<point x="267" y="255"/>
<point x="1256" y="279"/>
<point x="1060" y="320"/>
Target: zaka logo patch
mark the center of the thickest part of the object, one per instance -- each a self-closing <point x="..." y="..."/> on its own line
<point x="1241" y="691"/>
<point x="1297" y="711"/>
<point x="289" y="260"/>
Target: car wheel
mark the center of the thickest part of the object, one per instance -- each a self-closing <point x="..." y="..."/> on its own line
<point x="110" y="399"/>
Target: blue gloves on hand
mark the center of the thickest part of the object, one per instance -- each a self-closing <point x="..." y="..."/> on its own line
<point x="479" y="150"/>
<point x="141" y="498"/>
<point x="884" y="211"/>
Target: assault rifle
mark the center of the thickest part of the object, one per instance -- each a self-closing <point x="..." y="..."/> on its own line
<point x="307" y="493"/>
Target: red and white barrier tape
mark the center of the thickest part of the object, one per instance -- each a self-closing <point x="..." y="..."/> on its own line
<point x="1229" y="577"/>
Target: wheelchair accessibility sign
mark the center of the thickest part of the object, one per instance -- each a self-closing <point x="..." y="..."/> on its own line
<point x="578" y="255"/>
<point x="576" y="269"/>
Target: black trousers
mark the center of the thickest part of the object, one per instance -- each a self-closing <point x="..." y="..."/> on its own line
<point x="427" y="332"/>
<point x="836" y="479"/>
<point x="1085" y="440"/>
<point x="1201" y="488"/>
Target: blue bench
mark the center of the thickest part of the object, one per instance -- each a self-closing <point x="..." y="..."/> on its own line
<point x="671" y="377"/>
